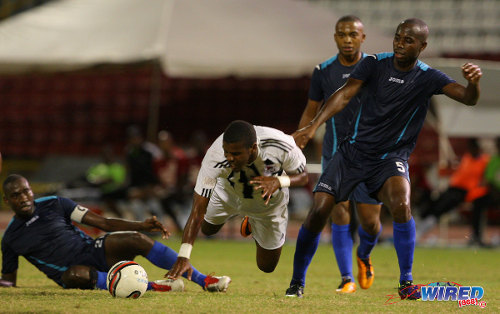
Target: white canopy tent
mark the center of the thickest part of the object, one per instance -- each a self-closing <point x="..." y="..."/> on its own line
<point x="195" y="38"/>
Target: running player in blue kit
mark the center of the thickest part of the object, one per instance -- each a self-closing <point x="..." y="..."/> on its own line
<point x="42" y="232"/>
<point x="394" y="91"/>
<point x="326" y="79"/>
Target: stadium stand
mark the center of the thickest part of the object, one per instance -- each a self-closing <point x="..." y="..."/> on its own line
<point x="458" y="27"/>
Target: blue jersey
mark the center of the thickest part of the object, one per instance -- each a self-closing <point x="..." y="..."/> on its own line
<point x="326" y="79"/>
<point x="47" y="240"/>
<point x="393" y="105"/>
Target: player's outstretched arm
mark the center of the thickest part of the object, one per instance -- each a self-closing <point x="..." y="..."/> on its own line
<point x="333" y="105"/>
<point x="117" y="224"/>
<point x="467" y="95"/>
<point x="8" y="280"/>
<point x="191" y="230"/>
<point x="311" y="110"/>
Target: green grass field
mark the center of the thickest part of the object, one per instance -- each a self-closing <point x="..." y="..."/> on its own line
<point x="255" y="292"/>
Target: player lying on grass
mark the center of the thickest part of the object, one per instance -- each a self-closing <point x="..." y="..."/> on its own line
<point x="246" y="171"/>
<point x="42" y="231"/>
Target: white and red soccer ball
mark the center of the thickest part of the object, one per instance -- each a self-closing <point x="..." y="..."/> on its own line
<point x="127" y="279"/>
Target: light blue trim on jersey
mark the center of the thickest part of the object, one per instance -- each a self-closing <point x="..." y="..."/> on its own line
<point x="353" y="137"/>
<point x="45" y="198"/>
<point x="384" y="55"/>
<point x="327" y="62"/>
<point x="422" y="66"/>
<point x="10" y="222"/>
<point x="334" y="129"/>
<point x="59" y="268"/>
<point x="402" y="132"/>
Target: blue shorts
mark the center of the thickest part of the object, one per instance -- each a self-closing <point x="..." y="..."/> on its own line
<point x="350" y="167"/>
<point x="94" y="255"/>
<point x="359" y="194"/>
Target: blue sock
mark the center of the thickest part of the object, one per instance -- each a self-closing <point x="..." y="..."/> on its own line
<point x="164" y="257"/>
<point x="366" y="242"/>
<point x="404" y="243"/>
<point x="307" y="244"/>
<point x="342" y="247"/>
<point x="101" y="280"/>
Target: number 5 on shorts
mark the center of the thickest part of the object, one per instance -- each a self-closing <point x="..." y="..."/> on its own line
<point x="400" y="166"/>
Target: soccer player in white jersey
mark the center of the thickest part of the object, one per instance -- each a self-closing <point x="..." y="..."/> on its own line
<point x="246" y="171"/>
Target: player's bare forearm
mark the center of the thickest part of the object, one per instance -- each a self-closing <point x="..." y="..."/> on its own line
<point x="117" y="224"/>
<point x="468" y="95"/>
<point x="195" y="219"/>
<point x="333" y="105"/>
<point x="309" y="113"/>
<point x="193" y="226"/>
<point x="299" y="179"/>
<point x="471" y="94"/>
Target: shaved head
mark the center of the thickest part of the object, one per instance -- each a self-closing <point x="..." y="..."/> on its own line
<point x="348" y="18"/>
<point x="419" y="28"/>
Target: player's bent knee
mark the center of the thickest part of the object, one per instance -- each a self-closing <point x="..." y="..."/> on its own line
<point x="79" y="277"/>
<point x="267" y="267"/>
<point x="317" y="218"/>
<point x="400" y="210"/>
<point x="209" y="229"/>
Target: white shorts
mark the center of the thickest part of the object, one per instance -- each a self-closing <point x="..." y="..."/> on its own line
<point x="268" y="230"/>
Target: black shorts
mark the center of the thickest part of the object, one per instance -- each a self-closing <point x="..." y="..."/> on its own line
<point x="349" y="167"/>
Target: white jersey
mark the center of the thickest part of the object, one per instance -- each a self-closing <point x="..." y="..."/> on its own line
<point x="277" y="155"/>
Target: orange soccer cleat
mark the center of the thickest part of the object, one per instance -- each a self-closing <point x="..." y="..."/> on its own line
<point x="365" y="273"/>
<point x="346" y="286"/>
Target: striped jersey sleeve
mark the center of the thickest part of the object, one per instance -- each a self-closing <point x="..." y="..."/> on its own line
<point x="213" y="166"/>
<point x="284" y="148"/>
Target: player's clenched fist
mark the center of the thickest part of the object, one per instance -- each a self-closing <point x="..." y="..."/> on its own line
<point x="471" y="72"/>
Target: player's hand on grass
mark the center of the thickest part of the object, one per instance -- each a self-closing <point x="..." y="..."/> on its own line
<point x="5" y="283"/>
<point x="181" y="266"/>
<point x="471" y="72"/>
<point x="268" y="185"/>
<point x="302" y="136"/>
<point x="152" y="224"/>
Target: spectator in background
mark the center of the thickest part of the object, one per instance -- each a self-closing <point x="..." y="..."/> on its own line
<point x="172" y="172"/>
<point x="141" y="156"/>
<point x="492" y="200"/>
<point x="492" y="174"/>
<point x="198" y="146"/>
<point x="466" y="185"/>
<point x="109" y="176"/>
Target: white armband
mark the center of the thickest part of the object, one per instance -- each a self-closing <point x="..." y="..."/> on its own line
<point x="78" y="213"/>
<point x="284" y="181"/>
<point x="185" y="250"/>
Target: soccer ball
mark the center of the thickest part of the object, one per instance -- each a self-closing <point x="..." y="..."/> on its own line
<point x="127" y="279"/>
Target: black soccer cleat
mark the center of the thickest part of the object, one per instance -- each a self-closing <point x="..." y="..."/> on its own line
<point x="295" y="291"/>
<point x="408" y="291"/>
